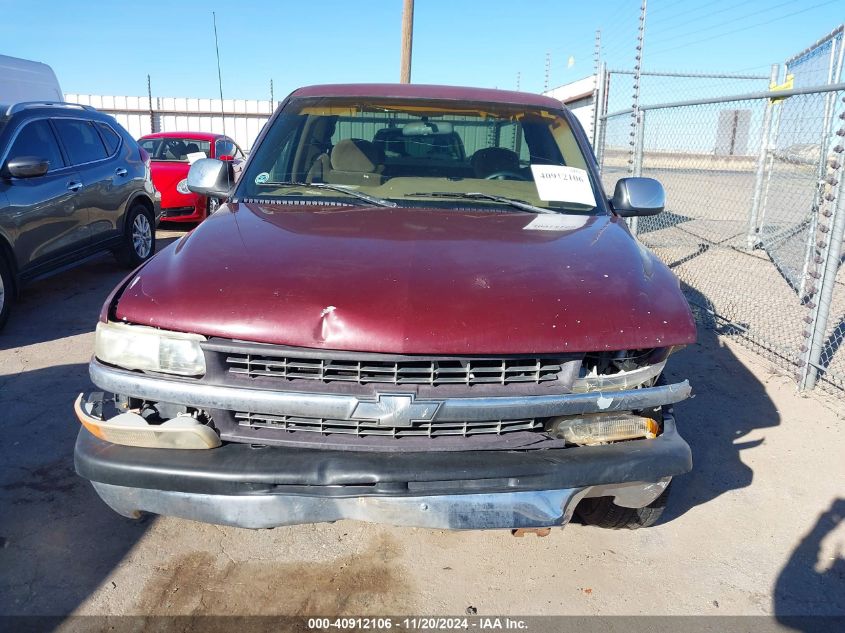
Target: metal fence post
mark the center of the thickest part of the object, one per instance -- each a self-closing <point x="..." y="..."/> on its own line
<point x="752" y="239"/>
<point x="833" y="71"/>
<point x="829" y="268"/>
<point x="637" y="167"/>
<point x="598" y="108"/>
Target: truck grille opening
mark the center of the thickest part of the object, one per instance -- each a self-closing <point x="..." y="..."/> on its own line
<point x="432" y="372"/>
<point x="363" y="428"/>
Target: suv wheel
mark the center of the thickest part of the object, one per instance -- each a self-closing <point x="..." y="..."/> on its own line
<point x="602" y="512"/>
<point x="7" y="291"/>
<point x="140" y="238"/>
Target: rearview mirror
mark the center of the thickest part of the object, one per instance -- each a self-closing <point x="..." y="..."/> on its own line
<point x="424" y="128"/>
<point x="638" y="196"/>
<point x="27" y="166"/>
<point x="210" y="177"/>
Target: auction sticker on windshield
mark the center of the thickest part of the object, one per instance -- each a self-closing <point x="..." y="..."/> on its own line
<point x="563" y="184"/>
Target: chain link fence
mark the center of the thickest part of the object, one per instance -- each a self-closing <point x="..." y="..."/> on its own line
<point x="754" y="218"/>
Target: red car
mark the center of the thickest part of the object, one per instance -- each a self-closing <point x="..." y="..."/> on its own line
<point x="171" y="155"/>
<point x="417" y="306"/>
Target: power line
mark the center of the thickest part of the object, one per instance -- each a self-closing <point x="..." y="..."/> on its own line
<point x="662" y="7"/>
<point x="745" y="28"/>
<point x="726" y="22"/>
<point x="699" y="8"/>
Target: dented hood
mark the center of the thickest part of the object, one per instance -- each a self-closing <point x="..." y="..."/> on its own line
<point x="412" y="281"/>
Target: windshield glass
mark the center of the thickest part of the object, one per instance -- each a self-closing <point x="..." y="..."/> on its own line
<point x="421" y="152"/>
<point x="174" y="149"/>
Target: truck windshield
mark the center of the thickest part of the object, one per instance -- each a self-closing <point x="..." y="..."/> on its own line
<point x="418" y="152"/>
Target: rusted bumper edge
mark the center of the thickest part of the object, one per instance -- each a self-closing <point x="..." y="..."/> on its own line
<point x="334" y="406"/>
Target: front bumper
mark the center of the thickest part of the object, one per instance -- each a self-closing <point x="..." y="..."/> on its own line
<point x="246" y="486"/>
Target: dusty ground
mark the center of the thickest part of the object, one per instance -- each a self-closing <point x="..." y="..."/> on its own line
<point x="756" y="528"/>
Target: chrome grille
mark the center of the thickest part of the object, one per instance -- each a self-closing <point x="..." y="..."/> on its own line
<point x="363" y="428"/>
<point x="469" y="371"/>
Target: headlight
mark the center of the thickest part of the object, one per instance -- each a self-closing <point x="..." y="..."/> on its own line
<point x="130" y="429"/>
<point x="149" y="349"/>
<point x="182" y="186"/>
<point x="619" y="381"/>
<point x="603" y="428"/>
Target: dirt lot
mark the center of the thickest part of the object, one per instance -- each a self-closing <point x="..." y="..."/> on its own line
<point x="757" y="528"/>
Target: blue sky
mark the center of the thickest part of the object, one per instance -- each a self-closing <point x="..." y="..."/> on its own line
<point x="109" y="47"/>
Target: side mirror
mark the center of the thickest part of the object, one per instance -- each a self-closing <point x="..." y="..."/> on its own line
<point x="638" y="196"/>
<point x="210" y="177"/>
<point x="27" y="167"/>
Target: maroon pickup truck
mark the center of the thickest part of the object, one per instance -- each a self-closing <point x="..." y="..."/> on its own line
<point x="417" y="307"/>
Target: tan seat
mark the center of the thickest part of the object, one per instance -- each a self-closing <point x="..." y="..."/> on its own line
<point x="354" y="161"/>
<point x="319" y="169"/>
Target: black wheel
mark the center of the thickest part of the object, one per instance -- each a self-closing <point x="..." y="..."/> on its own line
<point x="7" y="291"/>
<point x="602" y="512"/>
<point x="139" y="238"/>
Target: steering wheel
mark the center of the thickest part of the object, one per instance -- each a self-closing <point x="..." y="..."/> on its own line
<point x="505" y="175"/>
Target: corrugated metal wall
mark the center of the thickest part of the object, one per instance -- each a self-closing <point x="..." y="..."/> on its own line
<point x="242" y="119"/>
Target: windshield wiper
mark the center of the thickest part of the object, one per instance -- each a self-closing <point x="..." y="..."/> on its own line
<point x="519" y="204"/>
<point x="381" y="202"/>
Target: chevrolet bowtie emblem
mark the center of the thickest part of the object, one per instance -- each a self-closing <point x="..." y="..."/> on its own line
<point x="395" y="410"/>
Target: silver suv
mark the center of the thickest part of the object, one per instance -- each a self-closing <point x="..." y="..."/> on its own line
<point x="73" y="182"/>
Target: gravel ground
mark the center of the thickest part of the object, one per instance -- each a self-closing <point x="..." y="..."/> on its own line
<point x="756" y="528"/>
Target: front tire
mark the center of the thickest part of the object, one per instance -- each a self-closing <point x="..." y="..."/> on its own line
<point x="602" y="512"/>
<point x="139" y="238"/>
<point x="7" y="291"/>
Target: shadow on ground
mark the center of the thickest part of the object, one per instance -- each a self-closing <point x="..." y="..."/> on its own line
<point x="813" y="579"/>
<point x="729" y="403"/>
<point x="59" y="541"/>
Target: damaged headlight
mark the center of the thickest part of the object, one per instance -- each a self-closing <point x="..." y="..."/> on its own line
<point x="149" y="349"/>
<point x="619" y="381"/>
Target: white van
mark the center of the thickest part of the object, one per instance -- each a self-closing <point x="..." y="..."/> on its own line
<point x="25" y="80"/>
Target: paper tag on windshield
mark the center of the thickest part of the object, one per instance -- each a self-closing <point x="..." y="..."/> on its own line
<point x="556" y="222"/>
<point x="195" y="156"/>
<point x="556" y="183"/>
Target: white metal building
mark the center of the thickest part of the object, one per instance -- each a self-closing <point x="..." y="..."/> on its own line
<point x="578" y="97"/>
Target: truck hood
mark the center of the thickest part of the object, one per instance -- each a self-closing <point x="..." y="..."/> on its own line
<point x="412" y="281"/>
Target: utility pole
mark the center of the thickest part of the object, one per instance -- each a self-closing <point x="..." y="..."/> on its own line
<point x="407" y="41"/>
